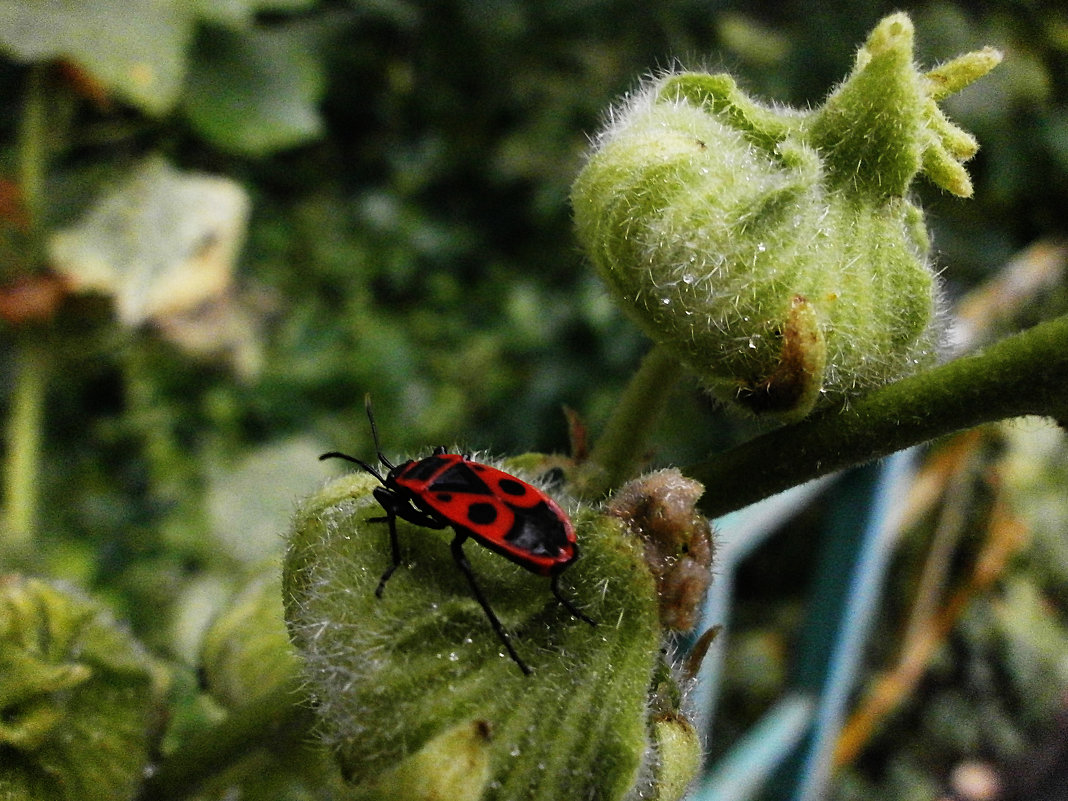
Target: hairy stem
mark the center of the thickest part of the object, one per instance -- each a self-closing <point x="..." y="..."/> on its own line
<point x="621" y="445"/>
<point x="1024" y="374"/>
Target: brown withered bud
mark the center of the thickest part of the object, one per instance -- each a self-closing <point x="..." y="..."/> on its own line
<point x="660" y="509"/>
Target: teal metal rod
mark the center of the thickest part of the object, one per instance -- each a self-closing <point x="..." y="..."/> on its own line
<point x="744" y="770"/>
<point x="864" y="591"/>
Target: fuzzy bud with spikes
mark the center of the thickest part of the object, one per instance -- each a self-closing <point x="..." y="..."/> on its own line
<point x="776" y="252"/>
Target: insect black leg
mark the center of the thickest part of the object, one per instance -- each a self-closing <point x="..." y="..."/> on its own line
<point x="554" y="585"/>
<point x="465" y="566"/>
<point x="386" y="499"/>
<point x="394" y="547"/>
<point x="395" y="507"/>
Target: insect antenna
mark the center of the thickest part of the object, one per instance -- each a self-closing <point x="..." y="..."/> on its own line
<point x="360" y="462"/>
<point x="374" y="432"/>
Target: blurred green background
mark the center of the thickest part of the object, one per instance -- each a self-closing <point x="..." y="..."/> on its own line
<point x="407" y="168"/>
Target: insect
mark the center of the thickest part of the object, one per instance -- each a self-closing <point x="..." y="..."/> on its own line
<point x="479" y="502"/>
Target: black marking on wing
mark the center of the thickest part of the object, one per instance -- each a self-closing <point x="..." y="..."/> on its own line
<point x="512" y="486"/>
<point x="460" y="478"/>
<point x="538" y="530"/>
<point x="482" y="514"/>
<point x="423" y="469"/>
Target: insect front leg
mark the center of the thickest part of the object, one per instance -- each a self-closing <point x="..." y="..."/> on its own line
<point x="465" y="566"/>
<point x="395" y="506"/>
<point x="389" y="503"/>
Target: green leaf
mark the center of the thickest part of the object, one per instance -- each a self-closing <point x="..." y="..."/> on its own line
<point x="255" y="91"/>
<point x="137" y="48"/>
<point x="161" y="243"/>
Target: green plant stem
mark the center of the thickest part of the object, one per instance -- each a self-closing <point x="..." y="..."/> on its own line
<point x="620" y="448"/>
<point x="24" y="444"/>
<point x="1024" y="374"/>
<point x="277" y="720"/>
<point x="22" y="468"/>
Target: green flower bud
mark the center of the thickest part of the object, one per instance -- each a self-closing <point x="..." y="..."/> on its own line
<point x="417" y="679"/>
<point x="678" y="749"/>
<point x="454" y="765"/>
<point x="675" y="746"/>
<point x="246" y="651"/>
<point x="79" y="699"/>
<point x="775" y="251"/>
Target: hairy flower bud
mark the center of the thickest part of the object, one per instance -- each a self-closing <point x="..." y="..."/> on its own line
<point x="411" y="683"/>
<point x="775" y="251"/>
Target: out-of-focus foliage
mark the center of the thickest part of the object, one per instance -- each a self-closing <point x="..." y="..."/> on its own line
<point x="992" y="689"/>
<point x="80" y="699"/>
<point x="407" y="167"/>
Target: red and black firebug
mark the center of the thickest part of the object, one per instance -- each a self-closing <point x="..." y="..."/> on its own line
<point x="477" y="501"/>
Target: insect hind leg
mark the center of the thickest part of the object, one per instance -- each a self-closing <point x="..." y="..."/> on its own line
<point x="394" y="546"/>
<point x="465" y="566"/>
<point x="554" y="585"/>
